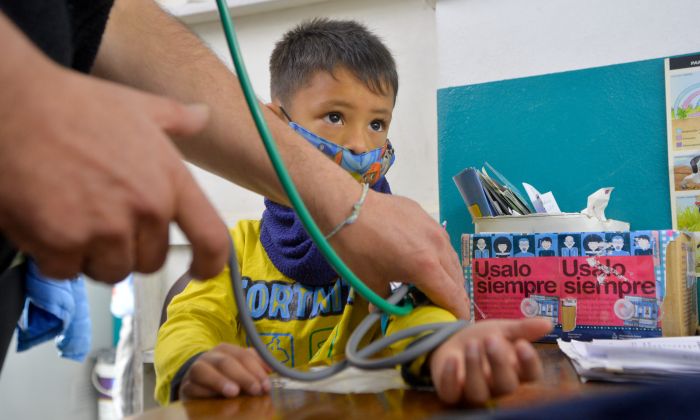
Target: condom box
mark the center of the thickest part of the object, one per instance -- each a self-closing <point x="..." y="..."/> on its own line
<point x="589" y="284"/>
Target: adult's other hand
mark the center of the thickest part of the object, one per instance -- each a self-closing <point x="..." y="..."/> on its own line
<point x="91" y="179"/>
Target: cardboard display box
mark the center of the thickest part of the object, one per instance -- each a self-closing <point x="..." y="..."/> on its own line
<point x="539" y="222"/>
<point x="590" y="284"/>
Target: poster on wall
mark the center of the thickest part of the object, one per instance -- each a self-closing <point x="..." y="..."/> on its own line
<point x="683" y="126"/>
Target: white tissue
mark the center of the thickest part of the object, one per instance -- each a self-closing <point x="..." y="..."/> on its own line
<point x="597" y="202"/>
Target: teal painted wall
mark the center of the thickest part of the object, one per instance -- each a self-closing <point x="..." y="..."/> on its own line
<point x="571" y="133"/>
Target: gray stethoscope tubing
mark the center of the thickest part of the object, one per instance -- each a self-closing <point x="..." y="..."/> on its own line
<point x="354" y="357"/>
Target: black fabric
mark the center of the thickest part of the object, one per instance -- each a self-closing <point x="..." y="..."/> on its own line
<point x="11" y="297"/>
<point x="7" y="253"/>
<point x="674" y="399"/>
<point x="11" y="304"/>
<point x="68" y="31"/>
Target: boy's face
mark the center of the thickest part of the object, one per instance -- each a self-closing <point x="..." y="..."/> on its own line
<point x="546" y="245"/>
<point x="341" y="109"/>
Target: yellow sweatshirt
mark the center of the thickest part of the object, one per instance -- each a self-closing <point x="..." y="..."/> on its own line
<point x="300" y="325"/>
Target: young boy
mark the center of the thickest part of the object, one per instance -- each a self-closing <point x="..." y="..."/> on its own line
<point x="335" y="83"/>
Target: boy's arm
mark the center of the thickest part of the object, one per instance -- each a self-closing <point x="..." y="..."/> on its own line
<point x="200" y="352"/>
<point x="145" y="48"/>
<point x="199" y="319"/>
<point x="416" y="372"/>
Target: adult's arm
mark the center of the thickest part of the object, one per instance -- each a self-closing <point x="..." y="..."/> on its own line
<point x="393" y="239"/>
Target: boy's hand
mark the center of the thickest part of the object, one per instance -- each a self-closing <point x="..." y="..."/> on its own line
<point x="487" y="359"/>
<point x="226" y="370"/>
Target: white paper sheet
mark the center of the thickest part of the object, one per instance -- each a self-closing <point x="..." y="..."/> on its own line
<point x="349" y="381"/>
<point x="633" y="359"/>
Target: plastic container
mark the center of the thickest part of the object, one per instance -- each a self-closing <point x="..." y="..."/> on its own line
<point x="103" y="380"/>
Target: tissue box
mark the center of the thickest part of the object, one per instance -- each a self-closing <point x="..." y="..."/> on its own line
<point x="589" y="284"/>
<point x="540" y="222"/>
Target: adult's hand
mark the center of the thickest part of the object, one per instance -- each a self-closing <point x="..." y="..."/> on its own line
<point x="90" y="179"/>
<point x="395" y="240"/>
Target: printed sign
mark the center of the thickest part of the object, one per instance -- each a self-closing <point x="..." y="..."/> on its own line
<point x="590" y="285"/>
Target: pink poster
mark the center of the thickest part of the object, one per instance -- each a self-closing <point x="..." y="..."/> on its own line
<point x="596" y="290"/>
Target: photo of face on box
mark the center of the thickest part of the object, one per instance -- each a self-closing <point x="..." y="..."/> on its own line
<point x="643" y="244"/>
<point x="482" y="247"/>
<point x="594" y="244"/>
<point x="570" y="243"/>
<point x="618" y="244"/>
<point x="546" y="245"/>
<point x="524" y="245"/>
<point x="502" y="247"/>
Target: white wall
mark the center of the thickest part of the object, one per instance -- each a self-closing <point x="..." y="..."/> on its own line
<point x="37" y="384"/>
<point x="408" y="29"/>
<point x="487" y="40"/>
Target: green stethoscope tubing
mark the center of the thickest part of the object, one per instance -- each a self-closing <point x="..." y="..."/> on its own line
<point x="286" y="181"/>
<point x="430" y="335"/>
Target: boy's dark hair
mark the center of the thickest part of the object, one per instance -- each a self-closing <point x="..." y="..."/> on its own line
<point x="324" y="44"/>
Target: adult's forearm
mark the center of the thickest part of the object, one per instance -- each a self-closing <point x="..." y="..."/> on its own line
<point x="145" y="48"/>
<point x="394" y="240"/>
<point x="21" y="64"/>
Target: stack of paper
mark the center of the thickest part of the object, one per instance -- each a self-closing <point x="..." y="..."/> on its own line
<point x="484" y="196"/>
<point x="639" y="360"/>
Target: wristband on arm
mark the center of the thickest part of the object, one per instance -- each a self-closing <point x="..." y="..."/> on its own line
<point x="355" y="212"/>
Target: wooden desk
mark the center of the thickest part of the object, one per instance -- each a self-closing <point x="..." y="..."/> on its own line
<point x="560" y="382"/>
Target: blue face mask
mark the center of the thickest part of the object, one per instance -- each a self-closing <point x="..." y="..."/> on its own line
<point x="368" y="167"/>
